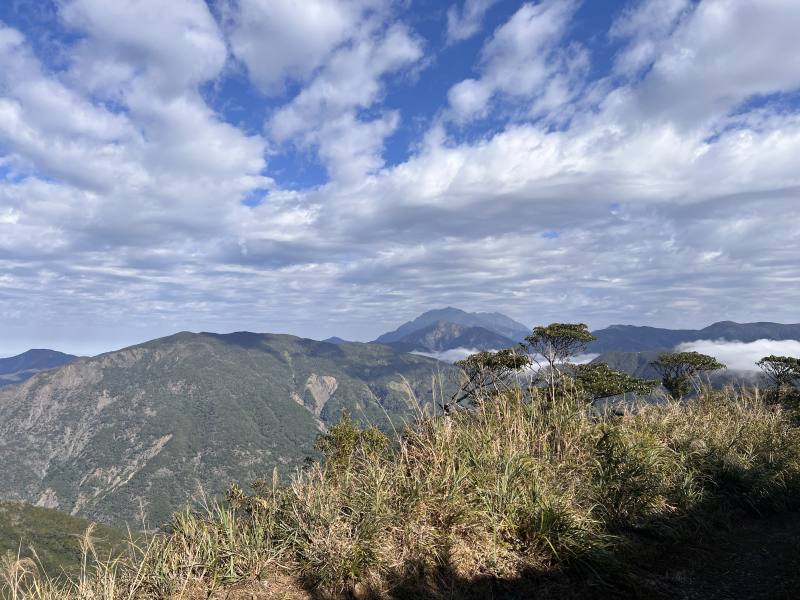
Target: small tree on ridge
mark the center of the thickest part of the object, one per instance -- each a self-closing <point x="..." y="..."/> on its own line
<point x="782" y="371"/>
<point x="556" y="344"/>
<point x="485" y="372"/>
<point x="677" y="369"/>
<point x="598" y="381"/>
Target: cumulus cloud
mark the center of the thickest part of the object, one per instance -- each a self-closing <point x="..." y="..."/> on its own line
<point x="742" y="356"/>
<point x="466" y="21"/>
<point x="285" y="40"/>
<point x="663" y="192"/>
<point x="325" y="113"/>
<point x="524" y="60"/>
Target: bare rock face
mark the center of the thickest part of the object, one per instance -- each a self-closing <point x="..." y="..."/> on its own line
<point x="321" y="389"/>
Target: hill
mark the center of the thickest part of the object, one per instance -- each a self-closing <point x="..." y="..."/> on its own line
<point x="632" y="338"/>
<point x="443" y="335"/>
<point x="141" y="430"/>
<point x="16" y="369"/>
<point x="449" y="328"/>
<point x="53" y="535"/>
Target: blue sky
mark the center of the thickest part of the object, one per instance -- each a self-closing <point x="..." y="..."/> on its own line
<point x="335" y="167"/>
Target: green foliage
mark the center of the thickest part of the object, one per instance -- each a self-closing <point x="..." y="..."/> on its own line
<point x="783" y="372"/>
<point x="598" y="380"/>
<point x="632" y="474"/>
<point x="557" y="343"/>
<point x="52" y="537"/>
<point x="560" y="341"/>
<point x="483" y="373"/>
<point x="345" y="438"/>
<point x="678" y="368"/>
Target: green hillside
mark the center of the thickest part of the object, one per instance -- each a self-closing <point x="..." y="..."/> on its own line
<point x="53" y="535"/>
<point x="137" y="433"/>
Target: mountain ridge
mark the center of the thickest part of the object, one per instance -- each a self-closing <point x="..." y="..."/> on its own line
<point x="16" y="369"/>
<point x="450" y="328"/>
<point x="150" y="422"/>
<point x="641" y="338"/>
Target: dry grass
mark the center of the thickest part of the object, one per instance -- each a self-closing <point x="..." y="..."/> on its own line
<point x="516" y="485"/>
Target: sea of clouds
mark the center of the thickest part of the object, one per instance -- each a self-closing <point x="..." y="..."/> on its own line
<point x="742" y="356"/>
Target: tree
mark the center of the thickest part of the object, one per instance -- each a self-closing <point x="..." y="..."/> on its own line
<point x="486" y="371"/>
<point x="677" y="369"/>
<point x="556" y="344"/>
<point x="598" y="381"/>
<point x="782" y="371"/>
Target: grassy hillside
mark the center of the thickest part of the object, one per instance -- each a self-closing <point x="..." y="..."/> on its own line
<point x="51" y="537"/>
<point x="140" y="431"/>
<point x="520" y="492"/>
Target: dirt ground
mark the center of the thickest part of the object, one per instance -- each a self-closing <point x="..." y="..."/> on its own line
<point x="754" y="559"/>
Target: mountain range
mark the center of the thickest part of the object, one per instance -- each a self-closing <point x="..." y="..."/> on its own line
<point x="450" y="328"/>
<point x="16" y="369"/>
<point x="137" y="432"/>
<point x="632" y="338"/>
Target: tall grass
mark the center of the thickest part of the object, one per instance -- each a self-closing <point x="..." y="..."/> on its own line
<point x="516" y="485"/>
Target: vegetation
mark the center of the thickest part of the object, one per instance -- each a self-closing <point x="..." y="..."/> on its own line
<point x="485" y="372"/>
<point x="783" y="373"/>
<point x="513" y="487"/>
<point x="139" y="430"/>
<point x="598" y="381"/>
<point x="556" y="344"/>
<point x="679" y="370"/>
<point x="529" y="480"/>
<point x="51" y="537"/>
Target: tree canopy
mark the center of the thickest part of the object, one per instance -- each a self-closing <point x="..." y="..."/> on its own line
<point x="598" y="381"/>
<point x="484" y="372"/>
<point x="782" y="372"/>
<point x="678" y="368"/>
<point x="559" y="341"/>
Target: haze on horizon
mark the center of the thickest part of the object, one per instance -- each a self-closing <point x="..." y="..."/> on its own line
<point x="336" y="167"/>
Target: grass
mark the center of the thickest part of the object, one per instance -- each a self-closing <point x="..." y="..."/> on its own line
<point x="517" y="487"/>
<point x="51" y="537"/>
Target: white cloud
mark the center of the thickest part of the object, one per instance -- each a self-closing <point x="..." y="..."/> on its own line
<point x="720" y="54"/>
<point x="646" y="28"/>
<point x="324" y="113"/>
<point x="524" y="60"/>
<point x="465" y="22"/>
<point x="742" y="356"/>
<point x="281" y="40"/>
<point x="450" y="356"/>
<point x="173" y="45"/>
<point x="120" y="186"/>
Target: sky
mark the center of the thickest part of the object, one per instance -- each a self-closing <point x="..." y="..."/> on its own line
<point x="336" y="167"/>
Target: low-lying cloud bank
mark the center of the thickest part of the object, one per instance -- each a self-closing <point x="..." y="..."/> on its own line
<point x="742" y="356"/>
<point x="450" y="356"/>
<point x="455" y="354"/>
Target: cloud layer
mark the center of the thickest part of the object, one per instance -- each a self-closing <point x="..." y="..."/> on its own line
<point x="495" y="155"/>
<point x="742" y="356"/>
